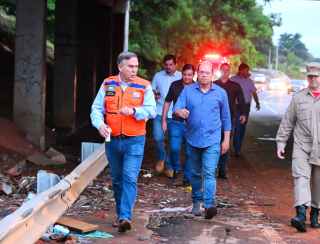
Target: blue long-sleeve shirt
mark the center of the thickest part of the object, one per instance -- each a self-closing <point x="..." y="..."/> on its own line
<point x="144" y="112"/>
<point x="208" y="113"/>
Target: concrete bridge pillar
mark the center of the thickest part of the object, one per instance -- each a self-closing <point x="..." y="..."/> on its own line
<point x="65" y="65"/>
<point x="30" y="69"/>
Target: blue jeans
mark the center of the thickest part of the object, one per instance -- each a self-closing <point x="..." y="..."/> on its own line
<point x="125" y="157"/>
<point x="176" y="131"/>
<point x="159" y="137"/>
<point x="203" y="163"/>
<point x="239" y="132"/>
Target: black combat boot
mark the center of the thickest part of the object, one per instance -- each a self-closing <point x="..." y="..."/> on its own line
<point x="314" y="213"/>
<point x="299" y="222"/>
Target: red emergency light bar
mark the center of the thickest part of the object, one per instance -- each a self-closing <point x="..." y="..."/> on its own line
<point x="212" y="56"/>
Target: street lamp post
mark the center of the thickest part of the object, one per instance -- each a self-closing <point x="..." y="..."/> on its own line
<point x="126" y="26"/>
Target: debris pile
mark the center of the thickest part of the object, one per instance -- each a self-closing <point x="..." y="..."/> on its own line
<point x="97" y="196"/>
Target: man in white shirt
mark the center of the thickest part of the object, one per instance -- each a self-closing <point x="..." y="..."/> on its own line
<point x="160" y="84"/>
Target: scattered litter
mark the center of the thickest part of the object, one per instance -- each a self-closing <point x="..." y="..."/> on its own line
<point x="169" y="210"/>
<point x="107" y="190"/>
<point x="93" y="199"/>
<point x="27" y="184"/>
<point x="221" y="204"/>
<point x="143" y="238"/>
<point x="163" y="240"/>
<point x="6" y="188"/>
<point x="57" y="232"/>
<point x="95" y="234"/>
<point x="188" y="189"/>
<point x="59" y="229"/>
<point x="160" y="219"/>
<point x="149" y="175"/>
<point x="266" y="138"/>
<point x="17" y="169"/>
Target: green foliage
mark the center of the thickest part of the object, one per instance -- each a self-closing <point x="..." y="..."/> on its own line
<point x="8" y="7"/>
<point x="293" y="54"/>
<point x="292" y="43"/>
<point x="51" y="5"/>
<point x="190" y="28"/>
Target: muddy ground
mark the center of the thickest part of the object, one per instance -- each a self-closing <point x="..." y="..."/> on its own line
<point x="254" y="204"/>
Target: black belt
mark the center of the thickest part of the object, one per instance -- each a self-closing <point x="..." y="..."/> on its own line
<point x="176" y="118"/>
<point x="120" y="136"/>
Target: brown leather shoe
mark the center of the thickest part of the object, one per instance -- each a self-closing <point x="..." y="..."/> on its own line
<point x="209" y="213"/>
<point x="169" y="173"/>
<point x="124" y="225"/>
<point x="160" y="166"/>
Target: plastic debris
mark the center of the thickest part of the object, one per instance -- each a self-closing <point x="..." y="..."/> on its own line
<point x="95" y="234"/>
<point x="6" y="188"/>
<point x="59" y="229"/>
<point x="266" y="138"/>
<point x="46" y="180"/>
<point x="188" y="189"/>
<point x="57" y="233"/>
<point x="17" y="169"/>
<point x="149" y="175"/>
<point x="27" y="184"/>
<point x="170" y="210"/>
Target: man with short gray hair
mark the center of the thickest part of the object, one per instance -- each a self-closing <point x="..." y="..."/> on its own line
<point x="125" y="56"/>
<point x="120" y="110"/>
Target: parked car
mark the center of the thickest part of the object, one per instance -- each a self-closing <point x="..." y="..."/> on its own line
<point x="281" y="83"/>
<point x="298" y="85"/>
<point x="260" y="81"/>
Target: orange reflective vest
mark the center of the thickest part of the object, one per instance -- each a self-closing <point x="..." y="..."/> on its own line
<point x="116" y="98"/>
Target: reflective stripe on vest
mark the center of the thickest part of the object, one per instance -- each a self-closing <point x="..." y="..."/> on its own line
<point x="115" y="99"/>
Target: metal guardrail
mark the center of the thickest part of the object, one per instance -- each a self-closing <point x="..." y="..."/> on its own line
<point x="29" y="222"/>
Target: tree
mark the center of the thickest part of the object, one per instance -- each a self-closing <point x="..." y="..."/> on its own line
<point x="189" y="28"/>
<point x="293" y="54"/>
<point x="292" y="43"/>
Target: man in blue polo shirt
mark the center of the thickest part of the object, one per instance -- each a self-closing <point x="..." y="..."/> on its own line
<point x="205" y="107"/>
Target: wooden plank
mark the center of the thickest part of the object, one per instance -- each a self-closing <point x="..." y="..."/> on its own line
<point x="77" y="225"/>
